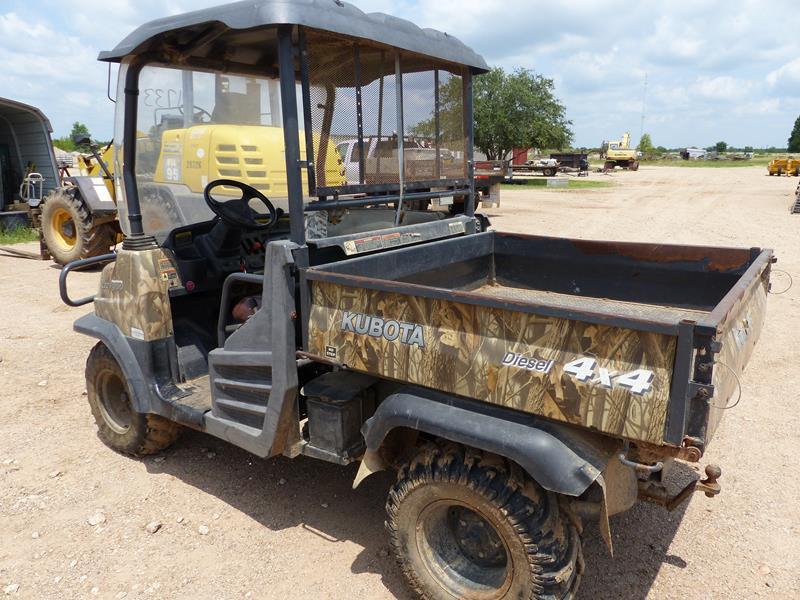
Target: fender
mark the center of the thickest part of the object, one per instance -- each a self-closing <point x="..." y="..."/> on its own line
<point x="108" y="333"/>
<point x="560" y="458"/>
<point x="137" y="358"/>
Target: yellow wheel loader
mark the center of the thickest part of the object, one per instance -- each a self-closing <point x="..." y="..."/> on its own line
<point x="183" y="148"/>
<point x="79" y="219"/>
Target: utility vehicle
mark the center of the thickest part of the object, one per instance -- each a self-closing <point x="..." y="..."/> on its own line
<point x="519" y="385"/>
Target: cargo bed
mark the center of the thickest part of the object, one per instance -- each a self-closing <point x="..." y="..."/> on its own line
<point x="611" y="336"/>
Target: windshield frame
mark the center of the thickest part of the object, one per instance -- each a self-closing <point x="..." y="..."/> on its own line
<point x="288" y="47"/>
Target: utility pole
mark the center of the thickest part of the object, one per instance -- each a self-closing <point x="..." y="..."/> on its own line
<point x="644" y="104"/>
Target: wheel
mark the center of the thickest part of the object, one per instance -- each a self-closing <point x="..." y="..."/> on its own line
<point x="159" y="209"/>
<point x="420" y="204"/>
<point x="118" y="424"/>
<point x="634" y="166"/>
<point x="69" y="231"/>
<point x="467" y="524"/>
<point x="549" y="172"/>
<point x="609" y="165"/>
<point x="780" y="171"/>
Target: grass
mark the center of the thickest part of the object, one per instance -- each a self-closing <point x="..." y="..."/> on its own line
<point x="18" y="235"/>
<point x="573" y="184"/>
<point x="758" y="161"/>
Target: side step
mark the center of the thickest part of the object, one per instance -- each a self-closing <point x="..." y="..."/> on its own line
<point x="241" y="382"/>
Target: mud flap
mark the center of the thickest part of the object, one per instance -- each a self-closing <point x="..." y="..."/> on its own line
<point x="370" y="463"/>
<point x="602" y="521"/>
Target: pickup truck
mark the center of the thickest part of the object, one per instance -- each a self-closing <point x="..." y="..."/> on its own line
<point x="488" y="174"/>
<point x="380" y="164"/>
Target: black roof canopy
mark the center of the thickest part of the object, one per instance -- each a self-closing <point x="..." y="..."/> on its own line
<point x="323" y="15"/>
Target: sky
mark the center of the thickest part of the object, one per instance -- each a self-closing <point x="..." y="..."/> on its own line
<point x="716" y="71"/>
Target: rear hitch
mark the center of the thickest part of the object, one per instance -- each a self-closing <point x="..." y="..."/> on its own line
<point x="656" y="492"/>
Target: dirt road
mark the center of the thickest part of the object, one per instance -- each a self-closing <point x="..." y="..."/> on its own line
<point x="233" y="526"/>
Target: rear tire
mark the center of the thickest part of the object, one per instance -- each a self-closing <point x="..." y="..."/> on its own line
<point x="468" y="524"/>
<point x="549" y="172"/>
<point x="69" y="230"/>
<point x="634" y="165"/>
<point x="119" y="425"/>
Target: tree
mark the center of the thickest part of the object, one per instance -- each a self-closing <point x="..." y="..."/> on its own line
<point x="794" y="139"/>
<point x="64" y="143"/>
<point x="516" y="110"/>
<point x="721" y="147"/>
<point x="67" y="143"/>
<point x="79" y="129"/>
<point x="646" y="146"/>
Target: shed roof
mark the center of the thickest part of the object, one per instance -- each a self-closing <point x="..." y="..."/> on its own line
<point x="8" y="106"/>
<point x="326" y="15"/>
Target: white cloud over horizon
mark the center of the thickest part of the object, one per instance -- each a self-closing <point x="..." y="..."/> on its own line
<point x="715" y="71"/>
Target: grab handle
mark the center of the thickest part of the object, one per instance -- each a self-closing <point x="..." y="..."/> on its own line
<point x="79" y="264"/>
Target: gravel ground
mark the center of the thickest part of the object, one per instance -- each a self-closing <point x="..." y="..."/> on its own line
<point x="206" y="520"/>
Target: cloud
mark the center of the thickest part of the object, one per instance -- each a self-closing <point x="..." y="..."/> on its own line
<point x="786" y="78"/>
<point x="713" y="72"/>
<point x="723" y="88"/>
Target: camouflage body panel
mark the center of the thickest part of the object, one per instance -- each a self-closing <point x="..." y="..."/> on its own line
<point x="134" y="293"/>
<point x="738" y="339"/>
<point x="465" y="350"/>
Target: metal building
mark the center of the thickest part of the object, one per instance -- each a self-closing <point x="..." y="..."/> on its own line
<point x="25" y="146"/>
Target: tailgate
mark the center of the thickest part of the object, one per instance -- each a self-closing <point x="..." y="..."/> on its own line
<point x="728" y="334"/>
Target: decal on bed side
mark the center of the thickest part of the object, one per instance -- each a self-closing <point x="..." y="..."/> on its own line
<point x="523" y="361"/>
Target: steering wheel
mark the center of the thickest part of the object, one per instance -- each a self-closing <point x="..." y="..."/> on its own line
<point x="237" y="212"/>
<point x="197" y="113"/>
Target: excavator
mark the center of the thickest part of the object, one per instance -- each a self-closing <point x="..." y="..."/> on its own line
<point x="185" y="148"/>
<point x="618" y="153"/>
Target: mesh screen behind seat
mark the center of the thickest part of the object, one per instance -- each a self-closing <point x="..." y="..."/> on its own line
<point x="336" y="67"/>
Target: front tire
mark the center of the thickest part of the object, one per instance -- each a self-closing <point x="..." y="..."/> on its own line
<point x="467" y="524"/>
<point x="69" y="230"/>
<point x="119" y="425"/>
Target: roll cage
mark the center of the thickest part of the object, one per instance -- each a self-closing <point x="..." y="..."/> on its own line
<point x="359" y="75"/>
